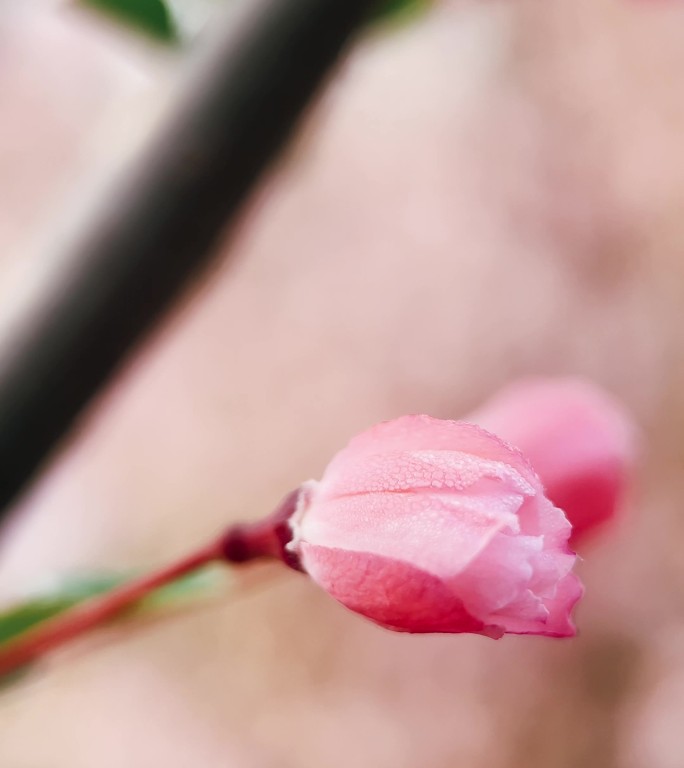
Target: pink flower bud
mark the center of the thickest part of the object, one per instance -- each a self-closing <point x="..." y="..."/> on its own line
<point x="577" y="438"/>
<point x="425" y="525"/>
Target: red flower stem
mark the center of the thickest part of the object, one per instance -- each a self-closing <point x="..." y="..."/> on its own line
<point x="53" y="633"/>
<point x="241" y="543"/>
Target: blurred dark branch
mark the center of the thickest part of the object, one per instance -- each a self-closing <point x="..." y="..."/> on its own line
<point x="163" y="224"/>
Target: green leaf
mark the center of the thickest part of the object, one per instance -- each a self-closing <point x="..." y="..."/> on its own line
<point x="23" y="615"/>
<point x="203" y="585"/>
<point x="194" y="589"/>
<point x="392" y="10"/>
<point x="174" y="21"/>
<point x="20" y="617"/>
<point x="151" y="16"/>
<point x="36" y="608"/>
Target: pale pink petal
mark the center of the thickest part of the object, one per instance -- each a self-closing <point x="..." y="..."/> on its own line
<point x="549" y="566"/>
<point x="538" y="516"/>
<point x="558" y="623"/>
<point x="437" y="532"/>
<point x="568" y="593"/>
<point x="500" y="575"/>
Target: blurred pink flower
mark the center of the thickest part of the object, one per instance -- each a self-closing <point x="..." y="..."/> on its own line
<point x="580" y="442"/>
<point x="425" y="525"/>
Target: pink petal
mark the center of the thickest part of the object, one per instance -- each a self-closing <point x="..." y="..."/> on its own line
<point x="430" y="526"/>
<point x="423" y="433"/>
<point x="579" y="441"/>
<point x="393" y="594"/>
<point x="394" y="471"/>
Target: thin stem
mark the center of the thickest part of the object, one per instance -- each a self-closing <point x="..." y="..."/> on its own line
<point x="73" y="623"/>
<point x="241" y="543"/>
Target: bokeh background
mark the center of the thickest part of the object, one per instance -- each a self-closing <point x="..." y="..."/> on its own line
<point x="490" y="191"/>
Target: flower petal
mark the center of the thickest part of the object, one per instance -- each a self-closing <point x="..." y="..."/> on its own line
<point x="579" y="440"/>
<point x="393" y="594"/>
<point x="440" y="533"/>
<point x="412" y="434"/>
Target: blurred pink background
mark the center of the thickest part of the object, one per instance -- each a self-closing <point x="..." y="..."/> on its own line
<point x="492" y="191"/>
